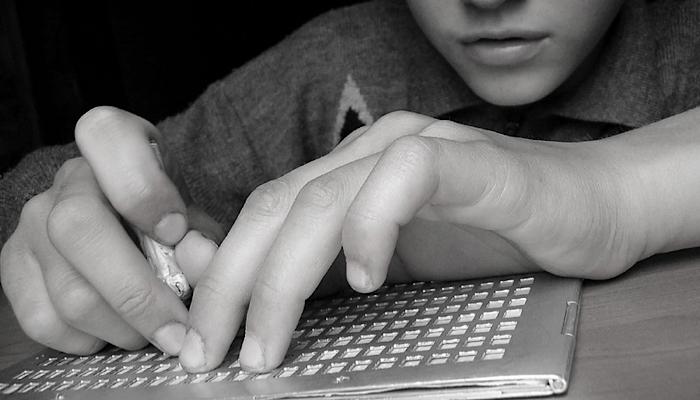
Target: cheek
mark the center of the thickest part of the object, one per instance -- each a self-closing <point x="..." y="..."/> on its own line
<point x="579" y="26"/>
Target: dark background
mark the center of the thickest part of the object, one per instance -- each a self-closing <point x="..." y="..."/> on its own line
<point x="60" y="58"/>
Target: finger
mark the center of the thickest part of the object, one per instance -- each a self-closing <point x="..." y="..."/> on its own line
<point x="224" y="290"/>
<point x="74" y="299"/>
<point x="23" y="284"/>
<point x="473" y="183"/>
<point x="116" y="145"/>
<point x="375" y="212"/>
<point x="193" y="254"/>
<point x="196" y="250"/>
<point x="367" y="280"/>
<point x="87" y="233"/>
<point x="307" y="244"/>
<point x="81" y="306"/>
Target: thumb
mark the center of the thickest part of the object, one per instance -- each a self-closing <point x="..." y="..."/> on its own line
<point x="117" y="146"/>
<point x="195" y="251"/>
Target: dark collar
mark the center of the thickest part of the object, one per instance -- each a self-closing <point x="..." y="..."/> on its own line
<point x="621" y="88"/>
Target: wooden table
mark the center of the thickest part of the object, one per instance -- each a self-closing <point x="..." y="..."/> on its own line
<point x="639" y="334"/>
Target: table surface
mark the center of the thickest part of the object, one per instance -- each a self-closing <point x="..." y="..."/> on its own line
<point x="638" y="338"/>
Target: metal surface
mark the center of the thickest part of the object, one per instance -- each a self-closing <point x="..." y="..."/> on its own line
<point x="493" y="338"/>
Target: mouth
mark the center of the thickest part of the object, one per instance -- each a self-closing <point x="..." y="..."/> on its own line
<point x="503" y="35"/>
<point x="503" y="48"/>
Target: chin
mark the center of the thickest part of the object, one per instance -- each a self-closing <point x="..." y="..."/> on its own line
<point x="508" y="90"/>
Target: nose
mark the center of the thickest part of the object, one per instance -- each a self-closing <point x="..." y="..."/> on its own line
<point x="486" y="4"/>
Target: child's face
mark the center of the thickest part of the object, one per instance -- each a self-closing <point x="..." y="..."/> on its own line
<point x="515" y="52"/>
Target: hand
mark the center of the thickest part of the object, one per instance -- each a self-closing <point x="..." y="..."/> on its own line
<point x="408" y="198"/>
<point x="74" y="277"/>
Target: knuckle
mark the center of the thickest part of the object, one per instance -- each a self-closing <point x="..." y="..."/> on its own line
<point x="136" y="192"/>
<point x="413" y="151"/>
<point x="77" y="302"/>
<point x="357" y="221"/>
<point x="321" y="193"/>
<point x="267" y="290"/>
<point x="67" y="168"/>
<point x="270" y="199"/>
<point x="34" y="209"/>
<point x="213" y="289"/>
<point x="73" y="219"/>
<point x="271" y="290"/>
<point x="91" y="122"/>
<point x="135" y="301"/>
<point x="436" y="128"/>
<point x="396" y="117"/>
<point x="39" y="324"/>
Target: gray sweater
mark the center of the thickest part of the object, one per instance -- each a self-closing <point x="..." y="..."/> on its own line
<point x="346" y="68"/>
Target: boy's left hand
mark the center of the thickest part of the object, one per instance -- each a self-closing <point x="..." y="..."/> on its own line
<point x="433" y="199"/>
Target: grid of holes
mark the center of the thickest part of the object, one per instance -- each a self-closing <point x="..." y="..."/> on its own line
<point x="398" y="326"/>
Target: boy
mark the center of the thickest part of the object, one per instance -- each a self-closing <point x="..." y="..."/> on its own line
<point x="408" y="197"/>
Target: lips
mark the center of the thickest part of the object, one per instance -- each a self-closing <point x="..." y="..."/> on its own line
<point x="503" y="48"/>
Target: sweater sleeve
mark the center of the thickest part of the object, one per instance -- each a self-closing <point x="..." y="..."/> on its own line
<point x="33" y="175"/>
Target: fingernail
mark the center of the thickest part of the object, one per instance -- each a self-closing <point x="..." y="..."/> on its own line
<point x="358" y="277"/>
<point x="192" y="353"/>
<point x="252" y="357"/>
<point x="171" y="228"/>
<point x="170" y="337"/>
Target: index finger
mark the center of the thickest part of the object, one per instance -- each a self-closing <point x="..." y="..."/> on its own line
<point x="303" y="251"/>
<point x="116" y="144"/>
<point x="88" y="234"/>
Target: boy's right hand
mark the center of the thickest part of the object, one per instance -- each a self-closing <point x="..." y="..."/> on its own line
<point x="73" y="275"/>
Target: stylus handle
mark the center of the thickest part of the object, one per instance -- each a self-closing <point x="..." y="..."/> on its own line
<point x="161" y="258"/>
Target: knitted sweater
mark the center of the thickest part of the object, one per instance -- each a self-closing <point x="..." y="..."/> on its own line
<point x="348" y="67"/>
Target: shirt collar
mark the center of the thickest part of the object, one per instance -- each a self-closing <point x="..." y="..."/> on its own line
<point x="622" y="87"/>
